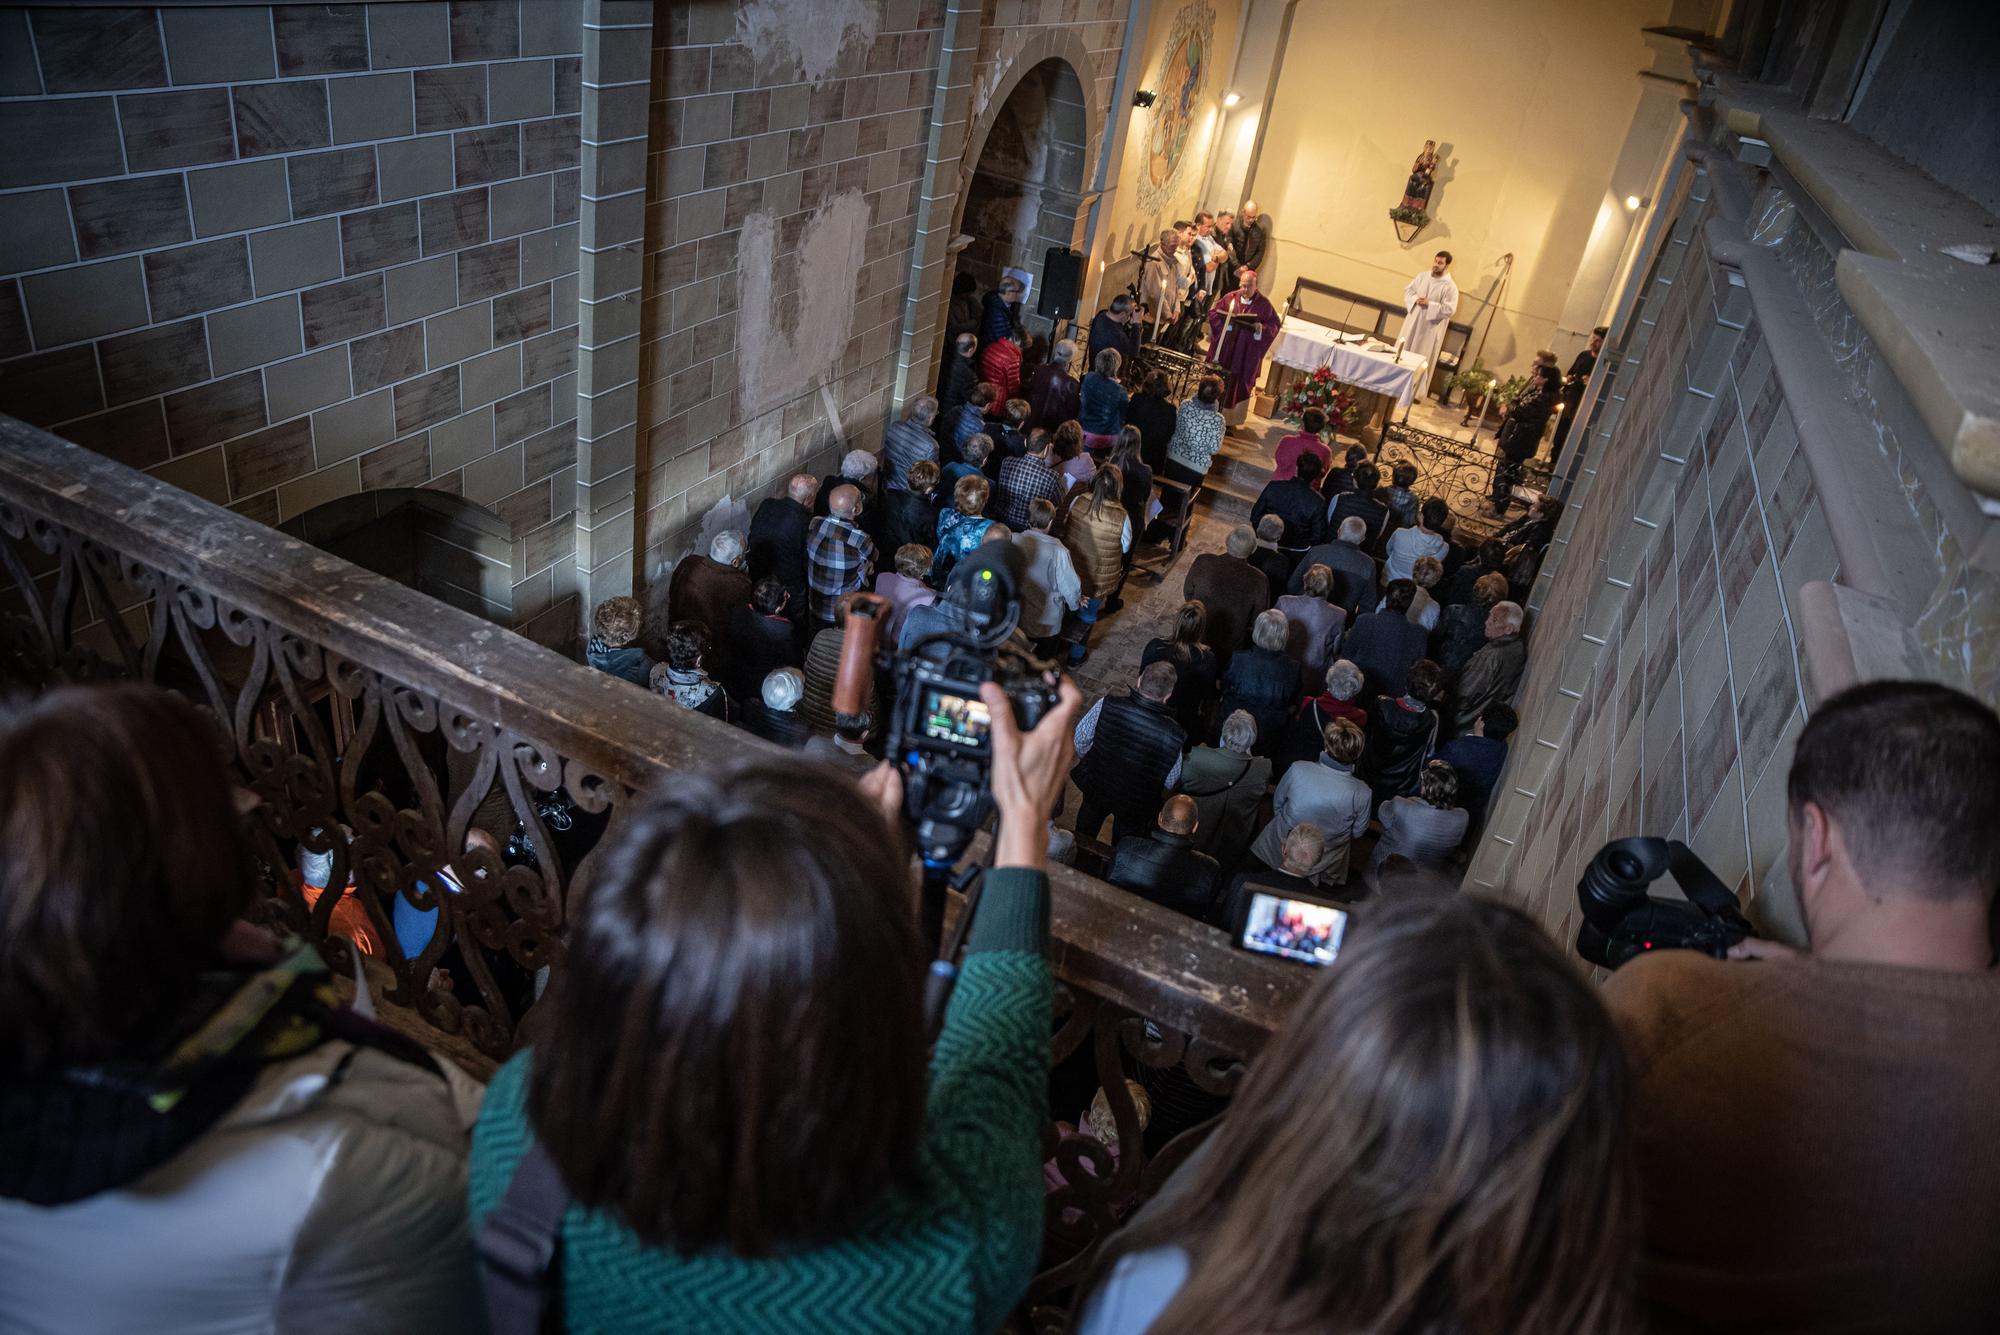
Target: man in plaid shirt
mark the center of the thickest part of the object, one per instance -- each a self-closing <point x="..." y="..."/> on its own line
<point x="1026" y="479"/>
<point x="840" y="558"/>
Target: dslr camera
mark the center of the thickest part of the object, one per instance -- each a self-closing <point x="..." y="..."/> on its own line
<point x="1621" y="920"/>
<point x="939" y="729"/>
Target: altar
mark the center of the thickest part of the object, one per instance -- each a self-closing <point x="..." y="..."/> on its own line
<point x="1384" y="383"/>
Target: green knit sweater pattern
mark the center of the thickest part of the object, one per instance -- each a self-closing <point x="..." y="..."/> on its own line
<point x="951" y="1249"/>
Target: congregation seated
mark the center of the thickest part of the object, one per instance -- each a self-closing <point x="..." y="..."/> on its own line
<point x="1383" y="644"/>
<point x="973" y="454"/>
<point x="840" y="556"/>
<point x="1461" y="630"/>
<point x="1354" y="578"/>
<point x="962" y="526"/>
<point x="1490" y="675"/>
<point x="1330" y="796"/>
<point x="169" y="1167"/>
<point x="1341" y="479"/>
<point x="1343" y="685"/>
<point x="1009" y="435"/>
<point x="1227" y="782"/>
<point x="1479" y="755"/>
<point x="1448" y="1093"/>
<point x="708" y="589"/>
<point x="822" y="669"/>
<point x="1296" y="501"/>
<point x="1000" y="366"/>
<point x="1364" y="503"/>
<point x="1098" y="533"/>
<point x="1314" y="622"/>
<point x="614" y="645"/>
<point x="761" y="639"/>
<point x="908" y="442"/>
<point x="1263" y="680"/>
<point x="957" y="379"/>
<point x="1490" y="559"/>
<point x="971" y="421"/>
<point x="1128" y="751"/>
<point x="1232" y="590"/>
<point x="1271" y="558"/>
<point x="1136" y="494"/>
<point x="1195" y="665"/>
<point x="1101" y="402"/>
<point x="1026" y="479"/>
<point x="773" y="712"/>
<point x="1291" y="877"/>
<point x="1197" y="438"/>
<point x="1164" y="866"/>
<point x="1155" y="415"/>
<point x="1400" y="497"/>
<point x="858" y="469"/>
<point x="1427" y="828"/>
<point x="1422" y="537"/>
<point x="1425" y="573"/>
<point x="683" y="678"/>
<point x="1402" y="732"/>
<point x="1050" y="586"/>
<point x="1053" y="390"/>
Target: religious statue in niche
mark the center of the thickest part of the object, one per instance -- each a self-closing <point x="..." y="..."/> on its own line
<point x="1413" y="214"/>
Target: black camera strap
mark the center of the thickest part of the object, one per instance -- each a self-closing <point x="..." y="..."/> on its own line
<point x="1703" y="888"/>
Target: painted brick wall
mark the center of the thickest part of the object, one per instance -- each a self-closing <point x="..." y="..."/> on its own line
<point x="277" y="255"/>
<point x="1664" y="688"/>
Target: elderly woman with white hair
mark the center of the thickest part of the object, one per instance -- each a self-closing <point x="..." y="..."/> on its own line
<point x="857" y="468"/>
<point x="774" y="714"/>
<point x="1340" y="699"/>
<point x="1227" y="783"/>
<point x="1264" y="680"/>
<point x="708" y="589"/>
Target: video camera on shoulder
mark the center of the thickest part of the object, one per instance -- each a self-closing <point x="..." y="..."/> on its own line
<point x="1621" y="920"/>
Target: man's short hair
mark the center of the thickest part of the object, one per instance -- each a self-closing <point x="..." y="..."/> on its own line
<point x="1353" y="530"/>
<point x="1403" y="474"/>
<point x="1182" y="224"/>
<point x="1489" y="590"/>
<point x="1271" y="528"/>
<point x="1601" y="330"/>
<point x="1509" y="615"/>
<point x="1107" y="363"/>
<point x="923" y="409"/>
<point x="1310" y="468"/>
<point x="1017" y="412"/>
<point x="1434" y="512"/>
<point x="1225" y="214"/>
<point x="783" y="688"/>
<point x="1238" y="732"/>
<point x="1499" y="721"/>
<point x="1302" y="848"/>
<point x="1399" y="595"/>
<point x="616" y="621"/>
<point x="858" y="465"/>
<point x="976" y="448"/>
<point x="687" y="641"/>
<point x="913" y="560"/>
<point x="1312" y="421"/>
<point x="922" y="476"/>
<point x="1121" y="303"/>
<point x="1445" y="254"/>
<point x="1242" y="541"/>
<point x="1343" y="679"/>
<point x="1157" y="681"/>
<point x="845" y="502"/>
<point x="1041" y="514"/>
<point x="768" y="594"/>
<point x="967" y="344"/>
<point x="1179" y="815"/>
<point x="1908" y="770"/>
<point x="1270" y="630"/>
<point x="802" y="488"/>
<point x="1343" y="740"/>
<point x="984" y="393"/>
<point x="728" y="546"/>
<point x="1204" y="216"/>
<point x="1367" y="477"/>
<point x="1425" y="682"/>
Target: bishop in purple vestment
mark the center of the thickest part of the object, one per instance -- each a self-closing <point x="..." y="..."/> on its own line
<point x="1240" y="351"/>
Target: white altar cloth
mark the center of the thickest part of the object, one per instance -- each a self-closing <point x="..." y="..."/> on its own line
<point x="1305" y="346"/>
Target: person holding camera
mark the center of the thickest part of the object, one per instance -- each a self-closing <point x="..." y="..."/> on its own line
<point x="1814" y="1128"/>
<point x="732" y="1084"/>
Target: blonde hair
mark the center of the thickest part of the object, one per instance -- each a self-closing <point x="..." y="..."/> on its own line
<point x="971" y="494"/>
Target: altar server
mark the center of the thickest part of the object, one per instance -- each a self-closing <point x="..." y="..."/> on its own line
<point x="1431" y="299"/>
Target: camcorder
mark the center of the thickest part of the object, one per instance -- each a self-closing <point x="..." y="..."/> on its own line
<point x="1621" y="920"/>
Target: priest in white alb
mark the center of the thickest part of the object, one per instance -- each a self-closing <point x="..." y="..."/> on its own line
<point x="1431" y="298"/>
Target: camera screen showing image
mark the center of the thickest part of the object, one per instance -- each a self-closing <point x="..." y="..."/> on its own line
<point x="1293" y="929"/>
<point x="958" y="719"/>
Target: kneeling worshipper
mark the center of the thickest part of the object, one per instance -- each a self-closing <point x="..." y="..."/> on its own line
<point x="1241" y="329"/>
<point x="1431" y="298"/>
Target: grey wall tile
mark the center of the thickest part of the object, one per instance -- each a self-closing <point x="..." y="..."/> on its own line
<point x="68" y="140"/>
<point x="54" y="386"/>
<point x="252" y="335"/>
<point x="551" y="30"/>
<point x="413" y="291"/>
<point x="86" y="301"/>
<point x="153" y="361"/>
<point x="219" y="45"/>
<point x="492" y="153"/>
<point x="491" y="376"/>
<point x="411" y="167"/>
<point x="197" y="278"/>
<point x="332" y="182"/>
<point x="385" y="358"/>
<point x="176" y="129"/>
<point x="369" y="106"/>
<point x="485" y="29"/>
<point x="400" y="36"/>
<point x="453" y="222"/>
<point x="569" y="195"/>
<point x="427" y="400"/>
<point x="297" y="256"/>
<point x="135" y="435"/>
<point x="260" y="462"/>
<point x="239" y="197"/>
<point x="522" y="205"/>
<point x="520" y="90"/>
<point x="87" y="50"/>
<point x="549" y="355"/>
<point x="457" y="335"/>
<point x="548" y="451"/>
<point x="340" y="311"/>
<point x="520" y="315"/>
<point x="19" y="76"/>
<point x="305" y="383"/>
<point x="450" y="98"/>
<point x="280" y="117"/>
<point x="458" y="442"/>
<point x="378" y="238"/>
<point x="345" y="429"/>
<point x="201" y="474"/>
<point x="569" y="86"/>
<point x="321" y="39"/>
<point x="317" y="489"/>
<point x="14" y="339"/>
<point x="402" y="463"/>
<point x="34" y="231"/>
<point x="521" y="415"/>
<point x="212" y="413"/>
<point x="551" y="145"/>
<point x="133" y="213"/>
<point x="487" y="271"/>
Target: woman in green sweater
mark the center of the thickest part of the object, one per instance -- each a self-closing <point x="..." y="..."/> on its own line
<point x="732" y="1082"/>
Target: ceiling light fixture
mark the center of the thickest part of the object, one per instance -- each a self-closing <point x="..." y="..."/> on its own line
<point x="1231" y="99"/>
<point x="1632" y="201"/>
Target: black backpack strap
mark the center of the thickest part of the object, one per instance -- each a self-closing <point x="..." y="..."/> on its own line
<point x="520" y="1249"/>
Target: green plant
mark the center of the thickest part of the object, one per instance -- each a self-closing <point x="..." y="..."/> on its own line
<point x="1403" y="213"/>
<point x="1474" y="380"/>
<point x="1511" y="389"/>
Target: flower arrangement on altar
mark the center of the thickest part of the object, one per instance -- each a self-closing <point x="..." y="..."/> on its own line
<point x="1416" y="218"/>
<point x="1322" y="391"/>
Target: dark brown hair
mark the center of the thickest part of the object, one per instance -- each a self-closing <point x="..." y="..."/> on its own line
<point x="122" y="863"/>
<point x="735" y="1051"/>
<point x="1434" y="1141"/>
<point x="1106" y="485"/>
<point x="1425" y="682"/>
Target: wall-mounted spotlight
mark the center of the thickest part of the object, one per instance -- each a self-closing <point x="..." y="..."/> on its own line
<point x="1231" y="99"/>
<point x="1633" y="202"/>
<point x="1145" y="97"/>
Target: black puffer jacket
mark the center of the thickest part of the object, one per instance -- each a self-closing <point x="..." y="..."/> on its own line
<point x="1166" y="869"/>
<point x="1399" y="740"/>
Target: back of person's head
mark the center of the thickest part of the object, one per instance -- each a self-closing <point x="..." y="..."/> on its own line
<point x="1433" y="1141"/>
<point x="1064" y="353"/>
<point x="1126" y="452"/>
<point x="1404" y="474"/>
<point x="1367" y="477"/>
<point x="1157" y="681"/>
<point x="976" y="448"/>
<point x="616" y="621"/>
<point x="1399" y="595"/>
<point x="922" y="476"/>
<point x="1438" y="785"/>
<point x="1179" y="815"/>
<point x="783" y="689"/>
<point x="122" y="864"/>
<point x="963" y="284"/>
<point x="1157" y="384"/>
<point x="1434" y="513"/>
<point x="734" y="1054"/>
<point x="1107" y="363"/>
<point x="1209" y="391"/>
<point x="1017" y="412"/>
<point x="983" y="394"/>
<point x="1238" y="732"/>
<point x="687" y="641"/>
<point x="1343" y="679"/>
<point x="1068" y="440"/>
<point x="1191" y="623"/>
<point x="1907" y="771"/>
<point x="1489" y="590"/>
<point x="966" y="344"/>
<point x="1241" y="542"/>
<point x="728" y="546"/>
<point x="913" y="560"/>
<point x="1425" y="682"/>
<point x="1426" y="571"/>
<point x="1301" y="849"/>
<point x="845" y="501"/>
<point x="1505" y="619"/>
<point x="858" y="465"/>
<point x="1271" y="528"/>
<point x="1270" y="630"/>
<point x="768" y="595"/>
<point x="970" y="494"/>
<point x="1353" y="530"/>
<point x="1493" y="553"/>
<point x="1498" y="721"/>
<point x="1312" y="421"/>
<point x="1343" y="740"/>
<point x="1107" y="486"/>
<point x="923" y="409"/>
<point x="802" y="488"/>
<point x="1310" y="468"/>
<point x="1040" y="441"/>
<point x="1318" y="582"/>
<point x="1356" y="456"/>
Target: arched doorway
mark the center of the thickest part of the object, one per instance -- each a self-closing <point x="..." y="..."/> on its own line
<point x="1028" y="184"/>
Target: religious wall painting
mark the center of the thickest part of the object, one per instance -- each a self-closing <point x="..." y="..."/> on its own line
<point x="1413" y="215"/>
<point x="1184" y="72"/>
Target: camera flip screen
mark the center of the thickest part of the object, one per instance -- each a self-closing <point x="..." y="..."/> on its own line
<point x="957" y="719"/>
<point x="1293" y="929"/>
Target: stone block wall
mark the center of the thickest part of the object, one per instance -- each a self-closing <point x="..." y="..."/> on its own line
<point x="277" y="255"/>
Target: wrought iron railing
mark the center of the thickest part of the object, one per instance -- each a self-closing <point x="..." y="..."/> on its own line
<point x="378" y="727"/>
